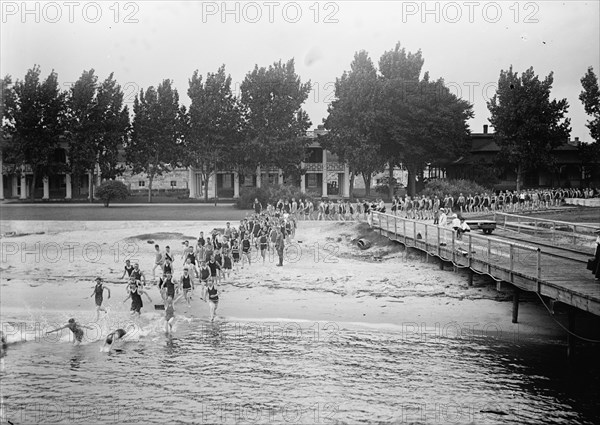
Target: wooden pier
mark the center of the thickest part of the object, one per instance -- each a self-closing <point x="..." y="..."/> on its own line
<point x="526" y="265"/>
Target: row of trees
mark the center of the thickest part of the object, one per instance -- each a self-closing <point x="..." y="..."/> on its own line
<point x="266" y="126"/>
<point x="390" y="115"/>
<point x="397" y="115"/>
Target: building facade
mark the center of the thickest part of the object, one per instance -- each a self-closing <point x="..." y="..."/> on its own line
<point x="322" y="174"/>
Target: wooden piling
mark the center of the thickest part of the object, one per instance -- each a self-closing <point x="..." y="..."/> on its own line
<point x="515" y="309"/>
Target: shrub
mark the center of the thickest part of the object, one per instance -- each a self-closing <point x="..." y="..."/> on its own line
<point x="271" y="194"/>
<point x="112" y="189"/>
<point x="441" y="188"/>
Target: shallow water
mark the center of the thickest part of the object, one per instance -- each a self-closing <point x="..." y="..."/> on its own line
<point x="238" y="371"/>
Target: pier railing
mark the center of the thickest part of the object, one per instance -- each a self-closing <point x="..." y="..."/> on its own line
<point x="503" y="260"/>
<point x="559" y="232"/>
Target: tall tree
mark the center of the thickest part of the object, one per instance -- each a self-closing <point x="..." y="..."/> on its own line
<point x="214" y="124"/>
<point x="419" y="121"/>
<point x="36" y="112"/>
<point x="98" y="127"/>
<point x="113" y="117"/>
<point x="528" y="125"/>
<point x="156" y="135"/>
<point x="351" y="120"/>
<point x="275" y="123"/>
<point x="590" y="97"/>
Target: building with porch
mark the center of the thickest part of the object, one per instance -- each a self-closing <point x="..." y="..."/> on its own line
<point x="569" y="170"/>
<point x="322" y="173"/>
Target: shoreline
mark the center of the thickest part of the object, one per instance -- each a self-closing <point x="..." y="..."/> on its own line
<point x="332" y="281"/>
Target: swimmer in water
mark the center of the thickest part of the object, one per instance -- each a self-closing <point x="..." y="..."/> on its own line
<point x="75" y="328"/>
<point x="99" y="292"/>
<point x="113" y="337"/>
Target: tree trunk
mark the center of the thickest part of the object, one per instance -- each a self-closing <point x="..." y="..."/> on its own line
<point x="391" y="181"/>
<point x="519" y="176"/>
<point x="351" y="189"/>
<point x="32" y="186"/>
<point x="367" y="180"/>
<point x="150" y="179"/>
<point x="412" y="179"/>
<point x="215" y="183"/>
<point x="91" y="186"/>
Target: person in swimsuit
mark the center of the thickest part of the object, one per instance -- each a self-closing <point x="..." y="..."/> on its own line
<point x="128" y="269"/>
<point x="169" y="315"/>
<point x="204" y="273"/>
<point x="188" y="253"/>
<point x="135" y="293"/>
<point x="227" y="263"/>
<point x="75" y="328"/>
<point x="246" y="250"/>
<point x="159" y="260"/>
<point x="264" y="245"/>
<point x="187" y="286"/>
<point x="113" y="337"/>
<point x="214" y="267"/>
<point x="98" y="293"/>
<point x="212" y="297"/>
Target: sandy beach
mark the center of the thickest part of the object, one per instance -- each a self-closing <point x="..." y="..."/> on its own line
<point x="325" y="278"/>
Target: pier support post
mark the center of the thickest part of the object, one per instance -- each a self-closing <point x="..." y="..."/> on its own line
<point x="515" y="309"/>
<point x="571" y="340"/>
<point x="441" y="264"/>
<point x="470" y="279"/>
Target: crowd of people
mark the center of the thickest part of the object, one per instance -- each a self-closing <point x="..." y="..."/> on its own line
<point x="203" y="265"/>
<point x="427" y="207"/>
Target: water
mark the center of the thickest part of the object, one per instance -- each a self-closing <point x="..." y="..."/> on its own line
<point x="237" y="371"/>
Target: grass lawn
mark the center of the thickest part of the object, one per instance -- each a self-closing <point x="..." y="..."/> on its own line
<point x="119" y="212"/>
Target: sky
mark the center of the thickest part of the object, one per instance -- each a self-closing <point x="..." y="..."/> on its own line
<point x="467" y="43"/>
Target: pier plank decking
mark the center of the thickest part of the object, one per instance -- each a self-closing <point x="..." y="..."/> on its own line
<point x="525" y="264"/>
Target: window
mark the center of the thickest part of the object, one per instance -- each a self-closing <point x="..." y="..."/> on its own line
<point x="141" y="183"/>
<point x="311" y="180"/>
<point x="173" y="183"/>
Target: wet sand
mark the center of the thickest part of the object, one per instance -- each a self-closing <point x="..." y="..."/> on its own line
<point x="325" y="278"/>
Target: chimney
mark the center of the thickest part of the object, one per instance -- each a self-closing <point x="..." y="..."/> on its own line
<point x="576" y="139"/>
<point x="485" y="129"/>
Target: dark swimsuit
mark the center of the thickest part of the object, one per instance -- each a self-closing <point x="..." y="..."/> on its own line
<point x="109" y="337"/>
<point x="98" y="291"/>
<point x="136" y="301"/>
<point x="212" y="295"/>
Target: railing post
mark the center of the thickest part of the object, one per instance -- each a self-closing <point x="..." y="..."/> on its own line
<point x="453" y="249"/>
<point x="414" y="233"/>
<point x="426" y="244"/>
<point x="439" y="248"/>
<point x="404" y="233"/>
<point x="535" y="222"/>
<point x="539" y="267"/>
<point x="505" y="218"/>
<point x="518" y="224"/>
<point x="489" y="251"/>
<point x="395" y="228"/>
<point x="387" y="224"/>
<point x="470" y="250"/>
<point x="512" y="260"/>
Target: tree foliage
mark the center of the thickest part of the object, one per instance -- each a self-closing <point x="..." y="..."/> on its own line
<point x="351" y="120"/>
<point x="528" y="125"/>
<point x="110" y="190"/>
<point x="155" y="145"/>
<point x="213" y="124"/>
<point x="34" y="120"/>
<point x="419" y="120"/>
<point x="275" y="123"/>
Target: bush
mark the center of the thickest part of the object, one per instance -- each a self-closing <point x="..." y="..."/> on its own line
<point x="441" y="188"/>
<point x="271" y="194"/>
<point x="112" y="189"/>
